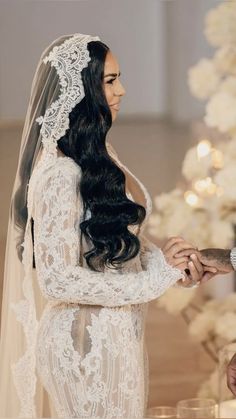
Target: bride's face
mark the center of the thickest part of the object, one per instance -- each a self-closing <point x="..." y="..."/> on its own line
<point x="112" y="85"/>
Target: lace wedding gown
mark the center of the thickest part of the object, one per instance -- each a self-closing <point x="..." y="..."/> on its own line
<point x="90" y="351"/>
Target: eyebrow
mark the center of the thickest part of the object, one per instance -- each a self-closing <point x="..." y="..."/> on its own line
<point x="112" y="75"/>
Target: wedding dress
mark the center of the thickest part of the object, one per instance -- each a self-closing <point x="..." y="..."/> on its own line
<point x="80" y="333"/>
<point x="90" y="346"/>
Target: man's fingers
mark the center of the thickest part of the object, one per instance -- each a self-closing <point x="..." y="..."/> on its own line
<point x="211" y="269"/>
<point x="186" y="252"/>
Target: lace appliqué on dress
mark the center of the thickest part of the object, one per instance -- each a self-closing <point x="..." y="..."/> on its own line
<point x="102" y="382"/>
<point x="76" y="378"/>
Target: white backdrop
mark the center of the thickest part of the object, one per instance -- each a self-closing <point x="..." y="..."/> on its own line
<point x="133" y="29"/>
<point x="155" y="41"/>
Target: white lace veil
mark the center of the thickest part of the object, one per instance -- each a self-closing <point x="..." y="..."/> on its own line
<point x="57" y="87"/>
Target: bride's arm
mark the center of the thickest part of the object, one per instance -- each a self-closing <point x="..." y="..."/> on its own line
<point x="181" y="255"/>
<point x="57" y="249"/>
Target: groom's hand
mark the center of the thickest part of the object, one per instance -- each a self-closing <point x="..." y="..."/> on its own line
<point x="196" y="270"/>
<point x="185" y="256"/>
<point x="218" y="258"/>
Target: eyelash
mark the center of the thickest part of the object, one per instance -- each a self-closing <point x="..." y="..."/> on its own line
<point x="110" y="81"/>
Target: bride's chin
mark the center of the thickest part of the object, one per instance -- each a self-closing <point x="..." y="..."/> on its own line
<point x="114" y="115"/>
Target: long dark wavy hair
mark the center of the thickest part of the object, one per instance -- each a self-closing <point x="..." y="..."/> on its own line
<point x="107" y="210"/>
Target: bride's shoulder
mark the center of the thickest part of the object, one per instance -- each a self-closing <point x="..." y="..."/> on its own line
<point x="67" y="165"/>
<point x="62" y="169"/>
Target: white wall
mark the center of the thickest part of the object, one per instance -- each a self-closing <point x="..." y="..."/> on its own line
<point x="156" y="41"/>
<point x="134" y="30"/>
<point x="186" y="45"/>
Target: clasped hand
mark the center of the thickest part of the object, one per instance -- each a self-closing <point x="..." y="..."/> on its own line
<point x="188" y="259"/>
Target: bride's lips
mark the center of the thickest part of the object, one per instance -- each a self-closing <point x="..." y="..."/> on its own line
<point x="115" y="106"/>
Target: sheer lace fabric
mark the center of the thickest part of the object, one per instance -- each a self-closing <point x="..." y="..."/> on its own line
<point x="90" y="351"/>
<point x="31" y="304"/>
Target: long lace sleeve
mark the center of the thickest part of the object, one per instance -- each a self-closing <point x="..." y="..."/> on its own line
<point x="147" y="247"/>
<point x="57" y="249"/>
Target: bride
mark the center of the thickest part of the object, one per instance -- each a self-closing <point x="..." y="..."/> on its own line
<point x="78" y="270"/>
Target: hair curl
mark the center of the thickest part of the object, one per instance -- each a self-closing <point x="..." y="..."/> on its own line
<point x="108" y="211"/>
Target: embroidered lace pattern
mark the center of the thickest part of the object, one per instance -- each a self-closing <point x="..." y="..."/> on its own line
<point x="56" y="213"/>
<point x="69" y="59"/>
<point x="90" y="347"/>
<point x="89" y="343"/>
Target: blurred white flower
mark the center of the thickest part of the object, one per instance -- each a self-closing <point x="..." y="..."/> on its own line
<point x="205" y="390"/>
<point x="176" y="223"/>
<point x="221" y="111"/>
<point x="220" y="26"/>
<point x="214" y="384"/>
<point x="157" y="226"/>
<point x="203" y="79"/>
<point x="226" y="179"/>
<point x="230" y="152"/>
<point x="210" y="388"/>
<point x="227" y="210"/>
<point x="176" y="299"/>
<point x="171" y="215"/>
<point x="222" y="233"/>
<point x="166" y="201"/>
<point x="202" y="325"/>
<point x="211" y="224"/>
<point x="198" y="229"/>
<point x="225" y="59"/>
<point x="226" y="203"/>
<point x="228" y="85"/>
<point x="212" y="305"/>
<point x="174" y="217"/>
<point x="193" y="167"/>
<point x="225" y="326"/>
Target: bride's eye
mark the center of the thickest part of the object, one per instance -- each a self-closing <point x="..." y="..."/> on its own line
<point x="110" y="81"/>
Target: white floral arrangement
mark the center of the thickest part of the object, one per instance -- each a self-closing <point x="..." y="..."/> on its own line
<point x="203" y="210"/>
<point x="211" y="324"/>
<point x="204" y="213"/>
<point x="215" y="79"/>
<point x="214" y="327"/>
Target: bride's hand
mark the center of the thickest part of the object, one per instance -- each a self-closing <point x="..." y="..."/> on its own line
<point x="184" y="256"/>
<point x="206" y="271"/>
<point x="177" y="245"/>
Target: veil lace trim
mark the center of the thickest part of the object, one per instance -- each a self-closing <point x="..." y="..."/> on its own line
<point x="69" y="59"/>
